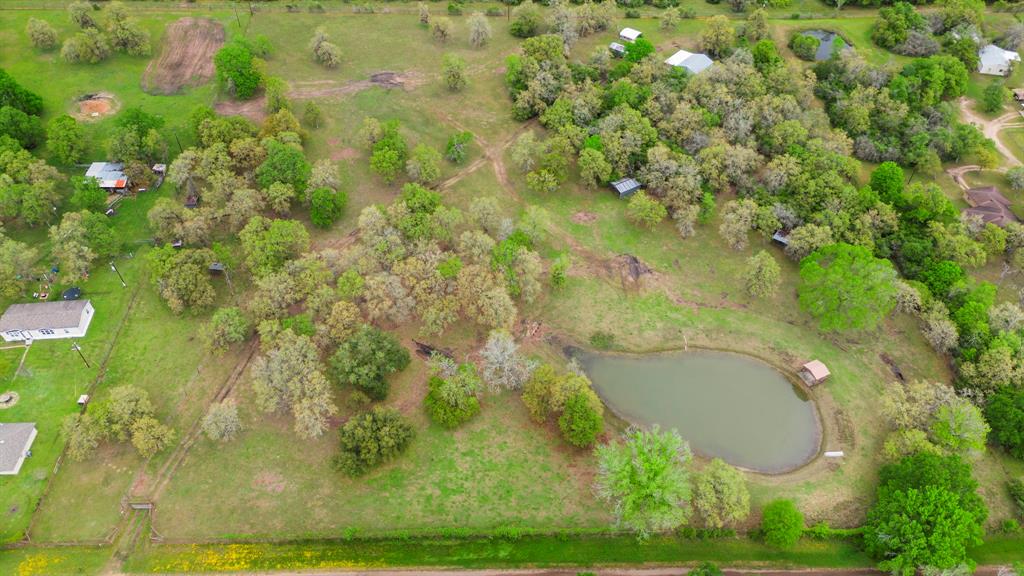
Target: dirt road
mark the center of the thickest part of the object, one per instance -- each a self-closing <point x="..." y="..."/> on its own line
<point x="992" y="128"/>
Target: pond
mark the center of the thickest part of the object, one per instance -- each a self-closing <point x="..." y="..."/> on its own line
<point x="726" y="405"/>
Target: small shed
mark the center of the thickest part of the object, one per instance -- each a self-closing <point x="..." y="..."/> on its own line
<point x="781" y="236"/>
<point x="217" y="267"/>
<point x="1018" y="94"/>
<point x="814" y="372"/>
<point x="625" y="187"/>
<point x="73" y="293"/>
<point x="630" y="34"/>
<point x="617" y="50"/>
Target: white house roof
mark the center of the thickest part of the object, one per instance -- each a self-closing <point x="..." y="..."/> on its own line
<point x="39" y="315"/>
<point x="110" y="174"/>
<point x="630" y="34"/>
<point x="992" y="57"/>
<point x="695" y="63"/>
<point x="15" y="440"/>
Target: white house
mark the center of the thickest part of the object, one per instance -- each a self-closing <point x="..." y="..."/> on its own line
<point x="16" y="440"/>
<point x="46" y="320"/>
<point x="630" y="34"/>
<point x="110" y="175"/>
<point x="995" y="61"/>
<point x="695" y="63"/>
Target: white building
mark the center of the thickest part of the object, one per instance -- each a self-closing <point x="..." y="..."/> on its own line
<point x="630" y="34"/>
<point x="995" y="61"/>
<point x="16" y="440"/>
<point x="46" y="320"/>
<point x="110" y="175"/>
<point x="695" y="63"/>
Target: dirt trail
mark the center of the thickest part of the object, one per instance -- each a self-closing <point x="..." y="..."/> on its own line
<point x="992" y="128"/>
<point x="186" y="58"/>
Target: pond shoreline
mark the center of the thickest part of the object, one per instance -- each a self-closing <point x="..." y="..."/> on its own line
<point x="800" y="389"/>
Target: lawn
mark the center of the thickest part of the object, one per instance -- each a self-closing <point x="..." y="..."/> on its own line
<point x="499" y="474"/>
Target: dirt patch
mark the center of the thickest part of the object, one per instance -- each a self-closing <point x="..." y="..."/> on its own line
<point x="328" y="88"/>
<point x="584" y="218"/>
<point x="92" y="107"/>
<point x="630" y="268"/>
<point x="255" y="109"/>
<point x="186" y="58"/>
<point x="339" y="152"/>
<point x="270" y="482"/>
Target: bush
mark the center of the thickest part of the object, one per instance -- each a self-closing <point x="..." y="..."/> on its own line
<point x="602" y="340"/>
<point x="371" y="439"/>
<point x="89" y="46"/>
<point x="804" y="46"/>
<point x="582" y="421"/>
<point x="1015" y="486"/>
<point x="227" y="326"/>
<point x="643" y="210"/>
<point x="451" y="399"/>
<point x="42" y="34"/>
<point x="236" y="70"/>
<point x="782" y="524"/>
<point x="1005" y="414"/>
<point x="632" y="13"/>
<point x="527" y="21"/>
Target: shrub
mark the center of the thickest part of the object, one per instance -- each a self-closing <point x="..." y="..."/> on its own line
<point x="451" y="399"/>
<point x="42" y="34"/>
<point x="582" y="421"/>
<point x="227" y="326"/>
<point x="89" y="46"/>
<point x="782" y="524"/>
<point x="602" y="340"/>
<point x="804" y="46"/>
<point x="371" y="439"/>
<point x="1015" y="486"/>
<point x="643" y="210"/>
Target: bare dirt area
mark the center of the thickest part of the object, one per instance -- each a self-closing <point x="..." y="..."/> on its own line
<point x="255" y="109"/>
<point x="584" y="218"/>
<point x="92" y="107"/>
<point x="186" y="58"/>
<point x="328" y="88"/>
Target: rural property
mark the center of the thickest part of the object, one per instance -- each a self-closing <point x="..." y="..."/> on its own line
<point x="564" y="287"/>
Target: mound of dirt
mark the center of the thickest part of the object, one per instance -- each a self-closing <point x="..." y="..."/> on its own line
<point x="186" y="58"/>
<point x="94" y="106"/>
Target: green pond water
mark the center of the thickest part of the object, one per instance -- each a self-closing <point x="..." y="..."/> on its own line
<point x="726" y="405"/>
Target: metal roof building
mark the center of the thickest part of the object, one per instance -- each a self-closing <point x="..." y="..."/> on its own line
<point x="16" y="440"/>
<point x="630" y="34"/>
<point x="995" y="61"/>
<point x="694" y="63"/>
<point x="110" y="175"/>
<point x="625" y="187"/>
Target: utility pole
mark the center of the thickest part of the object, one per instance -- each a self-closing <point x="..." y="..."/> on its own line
<point x="77" y="348"/>
<point x="116" y="271"/>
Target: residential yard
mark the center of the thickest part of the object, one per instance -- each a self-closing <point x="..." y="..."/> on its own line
<point x="499" y="474"/>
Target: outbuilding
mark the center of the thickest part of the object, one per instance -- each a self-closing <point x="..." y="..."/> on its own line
<point x="16" y="440"/>
<point x="995" y="61"/>
<point x="693" y="63"/>
<point x="814" y="372"/>
<point x="46" y="320"/>
<point x="109" y="175"/>
<point x="625" y="187"/>
<point x="617" y="50"/>
<point x="630" y="34"/>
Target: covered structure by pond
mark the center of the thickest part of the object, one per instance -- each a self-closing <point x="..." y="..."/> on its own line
<point x="814" y="372"/>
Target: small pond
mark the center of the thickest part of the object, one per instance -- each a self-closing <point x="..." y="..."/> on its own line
<point x="726" y="405"/>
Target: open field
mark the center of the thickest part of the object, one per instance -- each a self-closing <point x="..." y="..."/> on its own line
<point x="499" y="475"/>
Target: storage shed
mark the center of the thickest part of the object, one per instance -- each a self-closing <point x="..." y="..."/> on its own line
<point x="617" y="50"/>
<point x="694" y="63"/>
<point x="814" y="372"/>
<point x="625" y="187"/>
<point x="109" y="175"/>
<point x="630" y="34"/>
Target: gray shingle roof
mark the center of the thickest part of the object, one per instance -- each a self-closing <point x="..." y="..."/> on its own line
<point x="37" y="315"/>
<point x="15" y="439"/>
